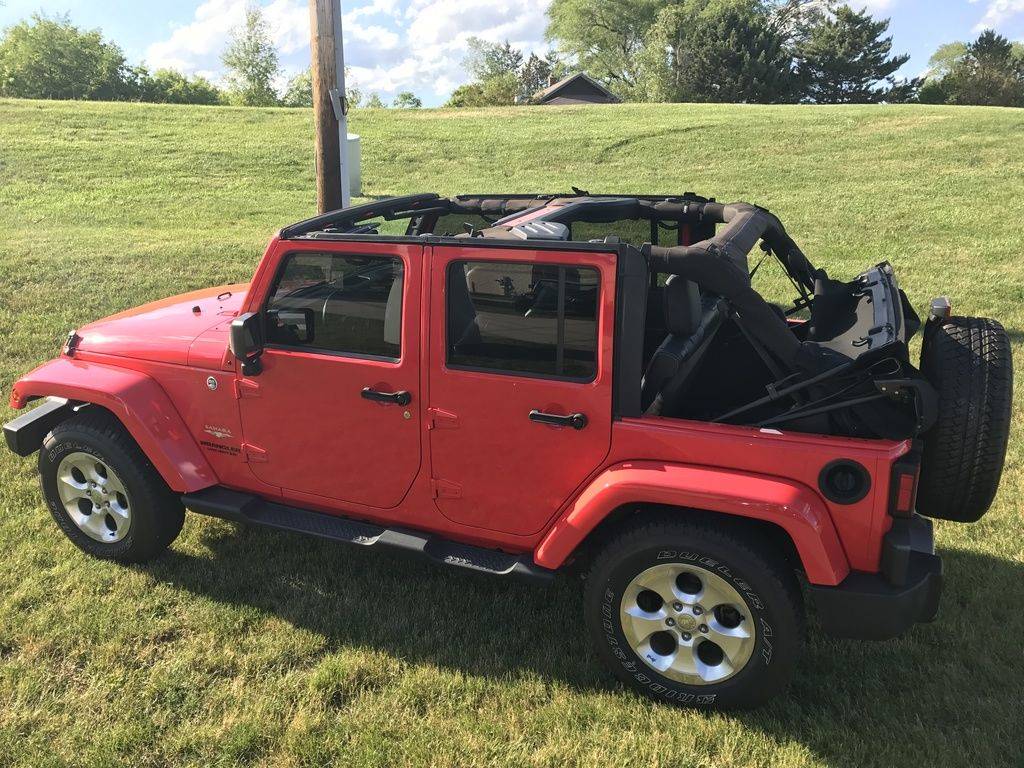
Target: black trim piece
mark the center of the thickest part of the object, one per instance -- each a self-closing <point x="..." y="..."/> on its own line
<point x="865" y="606"/>
<point x="908" y="464"/>
<point x="843" y="496"/>
<point x="356" y="213"/>
<point x="25" y="434"/>
<point x="899" y="544"/>
<point x="246" y="508"/>
<point x="631" y="291"/>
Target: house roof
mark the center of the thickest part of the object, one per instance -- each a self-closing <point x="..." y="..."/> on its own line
<point x="552" y="90"/>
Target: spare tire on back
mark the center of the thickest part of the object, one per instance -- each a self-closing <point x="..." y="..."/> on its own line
<point x="968" y="361"/>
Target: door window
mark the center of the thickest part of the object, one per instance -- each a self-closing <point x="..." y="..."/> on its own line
<point x="523" y="318"/>
<point x="339" y="303"/>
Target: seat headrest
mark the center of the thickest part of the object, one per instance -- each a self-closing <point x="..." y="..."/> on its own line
<point x="682" y="306"/>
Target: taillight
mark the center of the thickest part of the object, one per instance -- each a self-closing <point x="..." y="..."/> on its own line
<point x="903" y="484"/>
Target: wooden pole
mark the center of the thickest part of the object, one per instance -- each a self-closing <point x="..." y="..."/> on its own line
<point x="329" y="108"/>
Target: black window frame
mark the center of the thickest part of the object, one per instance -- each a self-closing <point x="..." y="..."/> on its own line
<point x="265" y="308"/>
<point x="560" y="332"/>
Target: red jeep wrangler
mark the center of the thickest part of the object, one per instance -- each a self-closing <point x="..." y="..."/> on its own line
<point x="526" y="384"/>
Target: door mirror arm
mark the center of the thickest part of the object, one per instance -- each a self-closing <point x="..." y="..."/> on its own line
<point x="246" y="342"/>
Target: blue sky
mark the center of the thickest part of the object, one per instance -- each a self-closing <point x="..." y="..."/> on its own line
<point x="418" y="45"/>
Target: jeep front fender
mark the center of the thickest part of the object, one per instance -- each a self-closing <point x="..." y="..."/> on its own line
<point x="791" y="506"/>
<point x="141" y="405"/>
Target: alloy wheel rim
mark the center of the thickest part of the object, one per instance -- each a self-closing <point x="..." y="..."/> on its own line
<point x="687" y="624"/>
<point x="94" y="497"/>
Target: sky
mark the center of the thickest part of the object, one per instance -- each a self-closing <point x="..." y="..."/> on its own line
<point x="419" y="45"/>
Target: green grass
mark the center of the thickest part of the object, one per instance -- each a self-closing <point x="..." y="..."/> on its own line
<point x="256" y="647"/>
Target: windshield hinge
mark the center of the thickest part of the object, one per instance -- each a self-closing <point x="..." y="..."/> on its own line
<point x="445" y="489"/>
<point x="246" y="388"/>
<point x="254" y="454"/>
<point x="441" y="419"/>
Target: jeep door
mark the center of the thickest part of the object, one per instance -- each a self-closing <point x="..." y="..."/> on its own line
<point x="335" y="411"/>
<point x="520" y="380"/>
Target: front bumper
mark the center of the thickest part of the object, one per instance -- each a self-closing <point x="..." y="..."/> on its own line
<point x="880" y="606"/>
<point x="25" y="434"/>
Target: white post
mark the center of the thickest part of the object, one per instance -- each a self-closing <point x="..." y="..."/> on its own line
<point x="341" y="105"/>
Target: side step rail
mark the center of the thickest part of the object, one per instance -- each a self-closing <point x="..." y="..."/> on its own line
<point x="246" y="508"/>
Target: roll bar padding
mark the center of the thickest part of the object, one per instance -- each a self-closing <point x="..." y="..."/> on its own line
<point x="719" y="264"/>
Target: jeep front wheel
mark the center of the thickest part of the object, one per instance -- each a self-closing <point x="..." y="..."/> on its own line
<point x="103" y="493"/>
<point x="694" y="615"/>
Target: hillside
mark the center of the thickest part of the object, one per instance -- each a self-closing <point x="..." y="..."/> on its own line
<point x="254" y="646"/>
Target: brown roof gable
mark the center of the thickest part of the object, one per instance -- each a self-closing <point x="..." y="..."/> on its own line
<point x="552" y="90"/>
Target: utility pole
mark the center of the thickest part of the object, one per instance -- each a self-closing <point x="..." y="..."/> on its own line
<point x="329" y="105"/>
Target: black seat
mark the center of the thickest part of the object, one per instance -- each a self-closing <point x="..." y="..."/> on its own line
<point x="691" y="323"/>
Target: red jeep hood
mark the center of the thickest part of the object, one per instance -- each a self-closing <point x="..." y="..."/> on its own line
<point x="163" y="331"/>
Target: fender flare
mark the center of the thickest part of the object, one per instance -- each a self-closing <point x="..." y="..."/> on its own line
<point x="141" y="405"/>
<point x="791" y="506"/>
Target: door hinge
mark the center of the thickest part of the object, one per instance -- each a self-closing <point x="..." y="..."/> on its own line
<point x="246" y="388"/>
<point x="254" y="454"/>
<point x="445" y="489"/>
<point x="438" y="418"/>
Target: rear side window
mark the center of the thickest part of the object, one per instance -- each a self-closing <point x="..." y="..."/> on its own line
<point x="338" y="303"/>
<point x="519" y="318"/>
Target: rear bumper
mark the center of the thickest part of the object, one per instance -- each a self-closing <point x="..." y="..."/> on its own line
<point x="880" y="606"/>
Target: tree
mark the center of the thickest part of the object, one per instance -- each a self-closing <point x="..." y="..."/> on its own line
<point x="251" y="61"/>
<point x="168" y="86"/>
<point x="945" y="60"/>
<point x="50" y="58"/>
<point x="604" y="37"/>
<point x="536" y="74"/>
<point x="716" y="50"/>
<point x="845" y="59"/>
<point x="990" y="73"/>
<point x="407" y="100"/>
<point x="373" y="101"/>
<point x="486" y="60"/>
<point x="299" y="91"/>
<point x="503" y="75"/>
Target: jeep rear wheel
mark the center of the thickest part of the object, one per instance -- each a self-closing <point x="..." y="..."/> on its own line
<point x="103" y="493"/>
<point x="694" y="615"/>
<point x="968" y="361"/>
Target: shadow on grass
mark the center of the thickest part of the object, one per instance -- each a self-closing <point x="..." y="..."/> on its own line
<point x="949" y="689"/>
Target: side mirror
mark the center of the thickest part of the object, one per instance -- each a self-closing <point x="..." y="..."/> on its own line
<point x="245" y="342"/>
<point x="291" y="326"/>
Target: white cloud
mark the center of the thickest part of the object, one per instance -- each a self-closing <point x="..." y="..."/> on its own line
<point x="390" y="45"/>
<point x="997" y="12"/>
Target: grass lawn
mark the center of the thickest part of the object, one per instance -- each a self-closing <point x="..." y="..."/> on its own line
<point x="257" y="647"/>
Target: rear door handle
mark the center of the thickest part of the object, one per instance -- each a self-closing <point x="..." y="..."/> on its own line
<point x="574" y="420"/>
<point x="398" y="398"/>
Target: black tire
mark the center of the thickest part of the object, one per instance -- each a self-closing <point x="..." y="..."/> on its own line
<point x="968" y="361"/>
<point x="156" y="513"/>
<point x="761" y="576"/>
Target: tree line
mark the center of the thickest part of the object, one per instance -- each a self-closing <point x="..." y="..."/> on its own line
<point x="755" y="51"/>
<point x="51" y="58"/>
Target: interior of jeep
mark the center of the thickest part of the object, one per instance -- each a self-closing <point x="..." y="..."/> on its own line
<point x="831" y="359"/>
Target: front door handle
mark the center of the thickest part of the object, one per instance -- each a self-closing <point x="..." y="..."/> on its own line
<point x="574" y="420"/>
<point x="398" y="398"/>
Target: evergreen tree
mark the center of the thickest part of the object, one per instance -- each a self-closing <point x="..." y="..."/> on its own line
<point x="845" y="59"/>
<point x="716" y="50"/>
<point x="251" y="61"/>
<point x="990" y="73"/>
